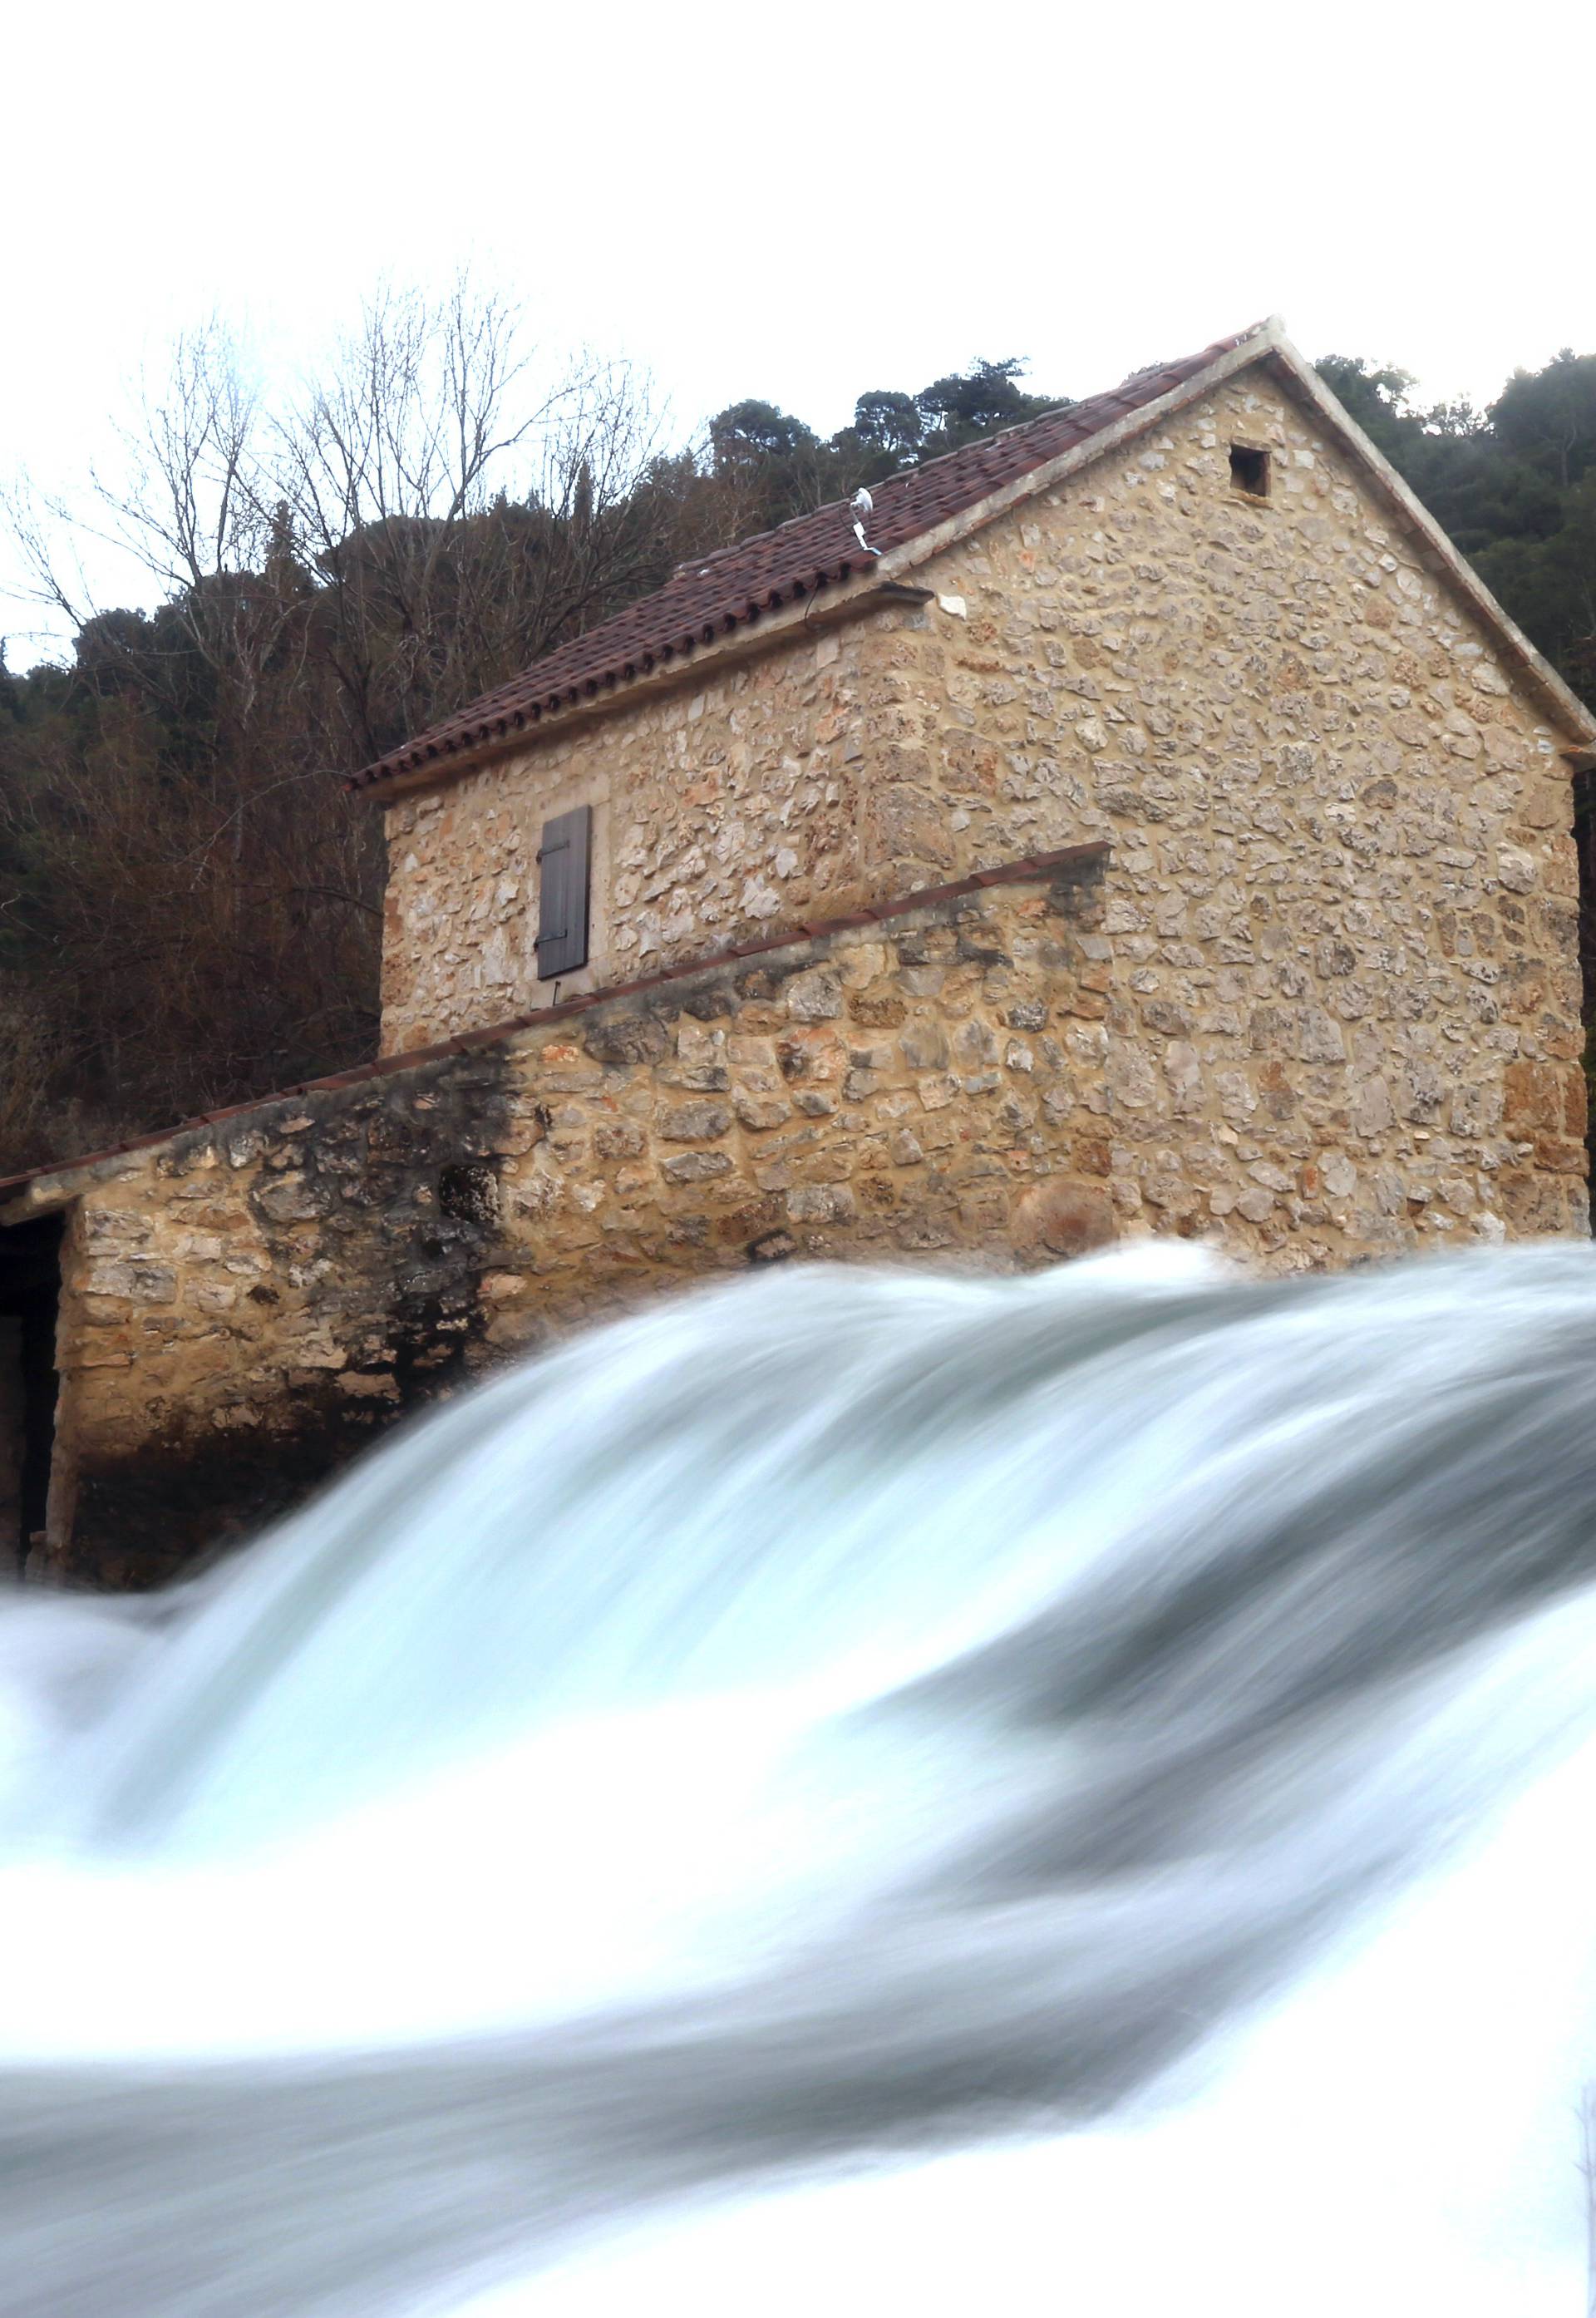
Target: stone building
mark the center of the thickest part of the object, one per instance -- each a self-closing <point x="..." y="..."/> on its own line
<point x="1142" y="821"/>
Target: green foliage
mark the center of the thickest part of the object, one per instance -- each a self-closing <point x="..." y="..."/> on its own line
<point x="889" y="426"/>
<point x="779" y="468"/>
<point x="1547" y="417"/>
<point x="751" y="432"/>
<point x="966" y="404"/>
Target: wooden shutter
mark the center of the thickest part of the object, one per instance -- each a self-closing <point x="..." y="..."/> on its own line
<point x="562" y="892"/>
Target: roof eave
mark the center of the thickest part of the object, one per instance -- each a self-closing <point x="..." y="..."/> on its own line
<point x="847" y="599"/>
<point x="890" y="578"/>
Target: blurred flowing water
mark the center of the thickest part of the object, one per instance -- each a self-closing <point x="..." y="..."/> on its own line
<point x="854" y="1791"/>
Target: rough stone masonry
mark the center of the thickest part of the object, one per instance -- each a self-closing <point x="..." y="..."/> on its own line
<point x="243" y="1302"/>
<point x="1344" y="925"/>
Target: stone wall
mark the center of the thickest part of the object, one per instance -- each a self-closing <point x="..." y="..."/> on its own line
<point x="1340" y="988"/>
<point x="1344" y="1003"/>
<point x="719" y="808"/>
<point x="243" y="1303"/>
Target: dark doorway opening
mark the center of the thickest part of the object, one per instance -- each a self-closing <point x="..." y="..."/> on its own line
<point x="30" y="1299"/>
<point x="1584" y="840"/>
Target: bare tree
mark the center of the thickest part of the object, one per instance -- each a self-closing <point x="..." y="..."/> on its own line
<point x="464" y="516"/>
<point x="188" y="896"/>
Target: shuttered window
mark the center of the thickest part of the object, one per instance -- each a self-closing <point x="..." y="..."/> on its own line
<point x="562" y="892"/>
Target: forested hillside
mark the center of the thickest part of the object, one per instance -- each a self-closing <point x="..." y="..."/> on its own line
<point x="189" y="904"/>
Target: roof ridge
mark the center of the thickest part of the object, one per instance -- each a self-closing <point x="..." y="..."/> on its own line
<point x="699" y="564"/>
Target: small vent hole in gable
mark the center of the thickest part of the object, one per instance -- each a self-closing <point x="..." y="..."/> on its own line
<point x="1250" y="470"/>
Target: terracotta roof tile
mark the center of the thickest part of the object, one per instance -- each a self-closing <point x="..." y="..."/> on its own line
<point x="716" y="593"/>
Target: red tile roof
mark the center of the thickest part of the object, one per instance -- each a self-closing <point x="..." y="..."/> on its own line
<point x="718" y="593"/>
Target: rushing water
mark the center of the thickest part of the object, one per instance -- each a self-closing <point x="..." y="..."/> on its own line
<point x="849" y="1792"/>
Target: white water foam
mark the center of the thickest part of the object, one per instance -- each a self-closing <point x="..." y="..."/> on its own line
<point x="853" y="1788"/>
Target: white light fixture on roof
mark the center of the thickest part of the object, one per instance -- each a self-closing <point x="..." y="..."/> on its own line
<point x="862" y="505"/>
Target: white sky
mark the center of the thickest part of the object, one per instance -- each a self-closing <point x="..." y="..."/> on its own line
<point x="797" y="204"/>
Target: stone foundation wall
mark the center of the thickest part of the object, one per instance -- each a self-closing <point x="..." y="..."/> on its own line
<point x="245" y="1303"/>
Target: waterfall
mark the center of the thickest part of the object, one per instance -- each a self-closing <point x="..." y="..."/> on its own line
<point x="852" y="1790"/>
